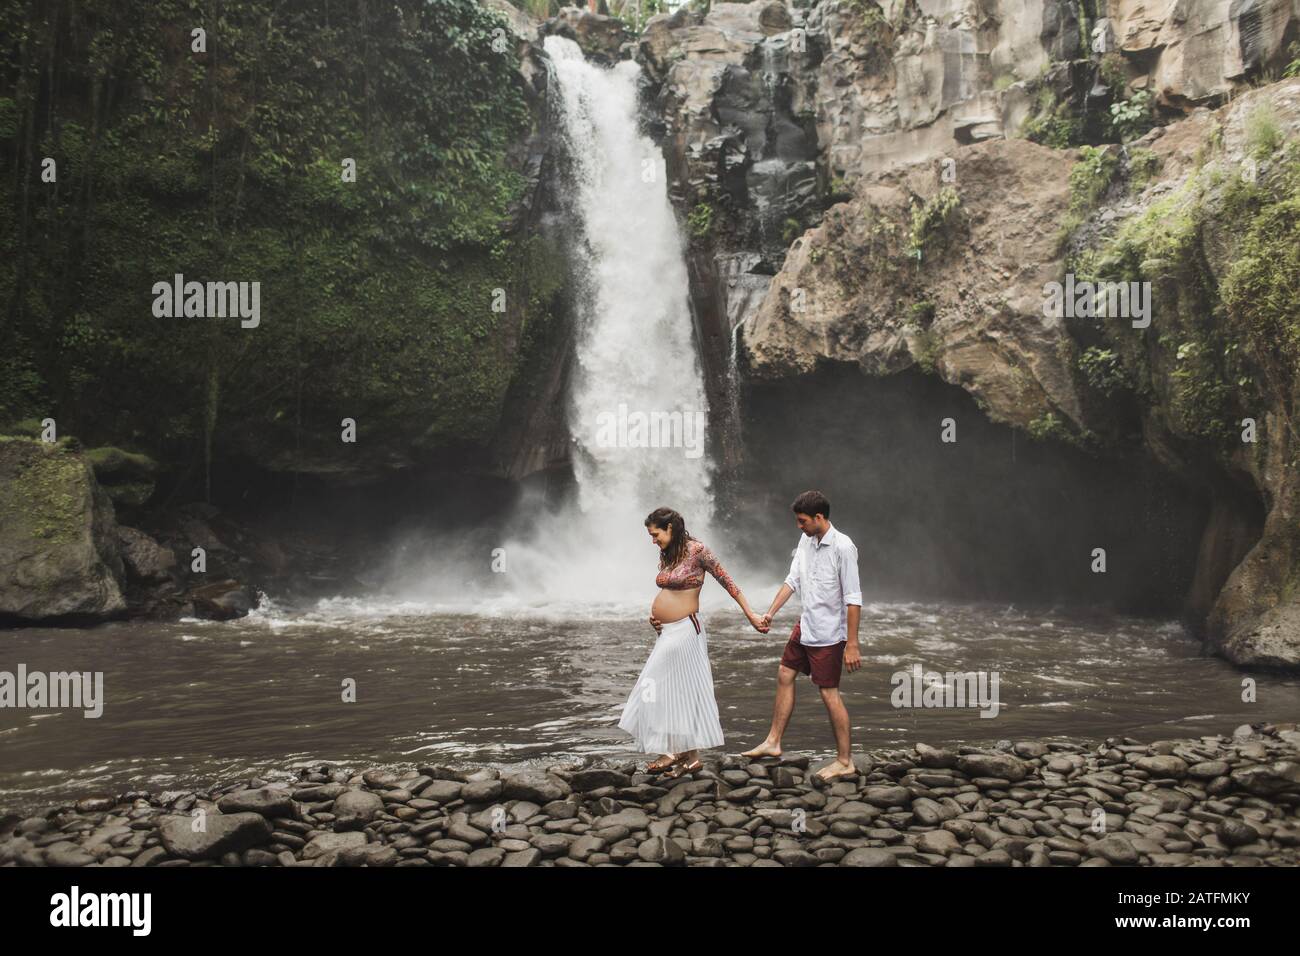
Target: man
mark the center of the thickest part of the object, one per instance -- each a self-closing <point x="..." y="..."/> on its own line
<point x="824" y="573"/>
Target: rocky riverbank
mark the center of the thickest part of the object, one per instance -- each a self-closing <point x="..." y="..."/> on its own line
<point x="1209" y="801"/>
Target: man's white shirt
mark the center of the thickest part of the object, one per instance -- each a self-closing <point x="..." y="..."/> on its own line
<point x="825" y="576"/>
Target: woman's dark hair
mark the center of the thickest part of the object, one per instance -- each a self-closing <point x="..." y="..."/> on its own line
<point x="811" y="503"/>
<point x="674" y="523"/>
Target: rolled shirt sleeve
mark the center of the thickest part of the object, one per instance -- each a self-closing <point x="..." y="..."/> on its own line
<point x="792" y="579"/>
<point x="849" y="584"/>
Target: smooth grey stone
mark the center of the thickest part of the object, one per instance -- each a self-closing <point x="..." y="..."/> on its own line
<point x="1114" y="849"/>
<point x="797" y="858"/>
<point x="487" y="856"/>
<point x="1161" y="765"/>
<point x="443" y="791"/>
<point x="67" y="853"/>
<point x="938" y="841"/>
<point x="664" y="850"/>
<point x="584" y="846"/>
<point x="536" y="787"/>
<point x="1000" y="766"/>
<point x="355" y="808"/>
<point x="527" y="857"/>
<point x="585" y="781"/>
<point x="467" y="834"/>
<point x="889" y="796"/>
<point x="222" y="833"/>
<point x="1237" y="833"/>
<point x="482" y="791"/>
<point x="632" y="818"/>
<point x="265" y="800"/>
<point x="329" y="842"/>
<point x="319" y="794"/>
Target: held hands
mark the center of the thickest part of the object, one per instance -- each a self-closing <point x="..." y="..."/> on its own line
<point x="761" y="624"/>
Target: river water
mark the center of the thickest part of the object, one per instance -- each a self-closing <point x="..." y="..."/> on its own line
<point x="195" y="703"/>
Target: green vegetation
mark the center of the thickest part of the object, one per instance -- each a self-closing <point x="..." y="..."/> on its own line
<point x="921" y="313"/>
<point x="1114" y="72"/>
<point x="1293" y="51"/>
<point x="49" y="492"/>
<point x="1090" y="177"/>
<point x="1263" y="135"/>
<point x="1130" y="118"/>
<point x="1054" y="123"/>
<point x="933" y="219"/>
<point x="791" y="231"/>
<point x="1222" y="254"/>
<point x="878" y="31"/>
<point x="626" y="10"/>
<point x="1103" y="370"/>
<point x="1048" y="427"/>
<point x="925" y="342"/>
<point x="1261" y="290"/>
<point x="1143" y="164"/>
<point x="868" y="10"/>
<point x="926" y="350"/>
<point x="700" y="220"/>
<point x="376" y="295"/>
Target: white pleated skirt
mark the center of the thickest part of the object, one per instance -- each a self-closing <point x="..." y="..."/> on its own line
<point x="672" y="707"/>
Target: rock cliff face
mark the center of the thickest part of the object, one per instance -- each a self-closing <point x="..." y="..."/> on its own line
<point x="914" y="272"/>
<point x="859" y="187"/>
<point x="769" y="111"/>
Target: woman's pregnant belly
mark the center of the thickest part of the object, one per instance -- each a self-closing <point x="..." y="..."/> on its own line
<point x="672" y="605"/>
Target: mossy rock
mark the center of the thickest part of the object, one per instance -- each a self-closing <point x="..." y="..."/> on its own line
<point x="114" y="466"/>
<point x="126" y="476"/>
<point x="58" y="554"/>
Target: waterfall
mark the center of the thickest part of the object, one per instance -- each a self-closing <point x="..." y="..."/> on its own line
<point x="637" y="380"/>
<point x="635" y="342"/>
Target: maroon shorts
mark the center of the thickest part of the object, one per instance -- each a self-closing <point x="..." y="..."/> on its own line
<point x="823" y="663"/>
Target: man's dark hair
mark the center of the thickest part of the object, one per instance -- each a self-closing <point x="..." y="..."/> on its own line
<point x="812" y="503"/>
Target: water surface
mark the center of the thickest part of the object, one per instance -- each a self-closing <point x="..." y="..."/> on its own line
<point x="195" y="702"/>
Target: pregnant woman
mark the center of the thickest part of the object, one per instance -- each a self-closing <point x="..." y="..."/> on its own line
<point x="671" y="710"/>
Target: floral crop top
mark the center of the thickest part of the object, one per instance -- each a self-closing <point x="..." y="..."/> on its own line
<point x="689" y="572"/>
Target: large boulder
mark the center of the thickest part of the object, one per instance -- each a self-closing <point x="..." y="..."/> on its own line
<point x="58" y="547"/>
<point x="144" y="558"/>
<point x="127" y="477"/>
<point x="222" y="600"/>
<point x="970" y="310"/>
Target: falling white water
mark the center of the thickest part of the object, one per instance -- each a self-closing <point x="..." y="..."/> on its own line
<point x="635" y="357"/>
<point x="635" y="343"/>
<point x="635" y="348"/>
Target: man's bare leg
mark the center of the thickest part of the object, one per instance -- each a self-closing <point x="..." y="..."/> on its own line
<point x="781" y="711"/>
<point x="839" y="715"/>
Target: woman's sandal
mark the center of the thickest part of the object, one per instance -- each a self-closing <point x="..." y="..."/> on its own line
<point x="662" y="764"/>
<point x="684" y="768"/>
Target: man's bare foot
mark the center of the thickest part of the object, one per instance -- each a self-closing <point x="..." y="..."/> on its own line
<point x="764" y="750"/>
<point x="835" y="770"/>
